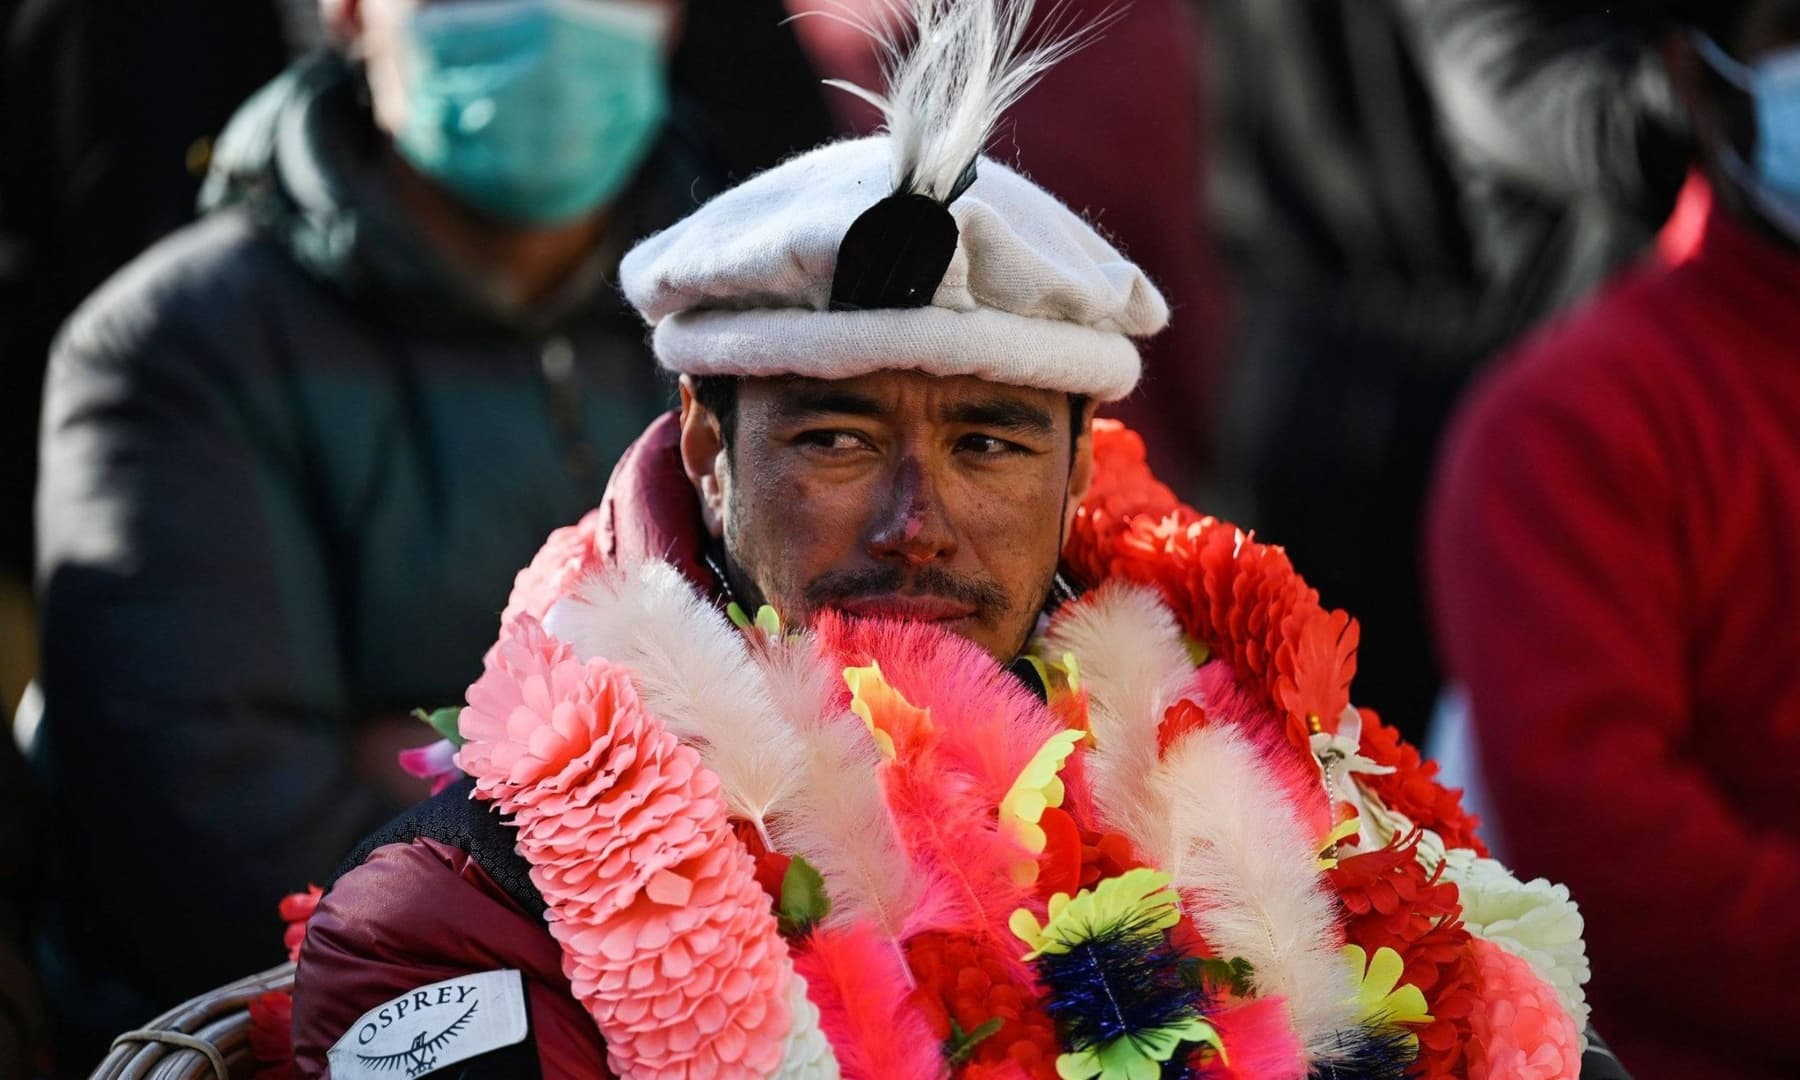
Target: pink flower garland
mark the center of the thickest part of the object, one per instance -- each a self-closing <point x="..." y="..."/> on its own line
<point x="1520" y="1030"/>
<point x="667" y="938"/>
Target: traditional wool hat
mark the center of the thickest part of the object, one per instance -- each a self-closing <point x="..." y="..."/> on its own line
<point x="905" y="250"/>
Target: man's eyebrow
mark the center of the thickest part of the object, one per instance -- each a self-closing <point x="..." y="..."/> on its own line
<point x="1003" y="413"/>
<point x="800" y="403"/>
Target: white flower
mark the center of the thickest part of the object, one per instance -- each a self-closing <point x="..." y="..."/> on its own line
<point x="1536" y="922"/>
<point x="808" y="1055"/>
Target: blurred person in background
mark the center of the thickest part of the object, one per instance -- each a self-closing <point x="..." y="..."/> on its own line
<point x="1400" y="187"/>
<point x="1615" y="562"/>
<point x="286" y="431"/>
<point x="107" y="111"/>
<point x="1115" y="132"/>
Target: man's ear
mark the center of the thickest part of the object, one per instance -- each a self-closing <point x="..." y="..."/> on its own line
<point x="1081" y="465"/>
<point x="703" y="458"/>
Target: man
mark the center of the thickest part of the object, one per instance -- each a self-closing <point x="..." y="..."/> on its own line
<point x="831" y="840"/>
<point x="294" y="452"/>
<point x="1613" y="545"/>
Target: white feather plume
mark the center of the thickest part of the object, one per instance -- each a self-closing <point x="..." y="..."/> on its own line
<point x="836" y="819"/>
<point x="694" y="672"/>
<point x="1249" y="877"/>
<point x="1134" y="664"/>
<point x="966" y="65"/>
<point x="765" y="720"/>
<point x="1208" y="811"/>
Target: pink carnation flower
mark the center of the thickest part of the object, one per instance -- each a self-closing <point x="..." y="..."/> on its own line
<point x="1519" y="1030"/>
<point x="667" y="938"/>
<point x="570" y="554"/>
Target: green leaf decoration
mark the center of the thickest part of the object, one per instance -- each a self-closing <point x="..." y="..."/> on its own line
<point x="803" y="899"/>
<point x="735" y="613"/>
<point x="768" y="620"/>
<point x="960" y="1046"/>
<point x="1233" y="975"/>
<point x="443" y="721"/>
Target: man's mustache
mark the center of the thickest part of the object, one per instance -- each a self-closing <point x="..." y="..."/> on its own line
<point x="839" y="586"/>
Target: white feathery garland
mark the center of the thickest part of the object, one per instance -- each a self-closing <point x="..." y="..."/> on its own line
<point x="966" y="65"/>
<point x="763" y="721"/>
<point x="1135" y="665"/>
<point x="1208" y="812"/>
<point x="837" y="819"/>
<point x="1249" y="876"/>
<point x="694" y="673"/>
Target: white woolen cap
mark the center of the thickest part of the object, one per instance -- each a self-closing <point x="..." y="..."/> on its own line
<point x="1034" y="296"/>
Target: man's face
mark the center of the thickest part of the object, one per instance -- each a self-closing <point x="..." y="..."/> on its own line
<point x="896" y="495"/>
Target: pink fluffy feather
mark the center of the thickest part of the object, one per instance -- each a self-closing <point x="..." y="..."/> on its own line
<point x="945" y="797"/>
<point x="855" y="979"/>
<point x="989" y="724"/>
<point x="1226" y="701"/>
<point x="1260" y="1043"/>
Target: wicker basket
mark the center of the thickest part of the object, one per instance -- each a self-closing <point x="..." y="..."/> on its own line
<point x="207" y="1038"/>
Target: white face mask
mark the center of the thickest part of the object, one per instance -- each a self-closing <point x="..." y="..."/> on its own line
<point x="1772" y="180"/>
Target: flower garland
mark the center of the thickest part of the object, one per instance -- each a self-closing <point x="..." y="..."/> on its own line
<point x="665" y="937"/>
<point x="1194" y="859"/>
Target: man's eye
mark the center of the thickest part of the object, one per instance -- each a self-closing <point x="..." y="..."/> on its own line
<point x="986" y="446"/>
<point x="833" y="440"/>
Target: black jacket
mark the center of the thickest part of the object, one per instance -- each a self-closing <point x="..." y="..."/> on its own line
<point x="290" y="464"/>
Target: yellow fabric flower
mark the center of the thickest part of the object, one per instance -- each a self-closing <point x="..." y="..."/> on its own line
<point x="1141" y="896"/>
<point x="1064" y="693"/>
<point x="893" y="721"/>
<point x="1380" y="1001"/>
<point x="1038" y="788"/>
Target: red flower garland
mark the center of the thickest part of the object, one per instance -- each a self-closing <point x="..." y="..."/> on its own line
<point x="960" y="980"/>
<point x="1240" y="598"/>
<point x="1413" y="788"/>
<point x="271" y="1035"/>
<point x="1393" y="903"/>
<point x="1245" y="603"/>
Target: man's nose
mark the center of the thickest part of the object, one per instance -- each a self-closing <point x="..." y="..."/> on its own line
<point x="911" y="526"/>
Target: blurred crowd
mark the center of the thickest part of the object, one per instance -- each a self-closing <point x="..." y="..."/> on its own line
<point x="1487" y="310"/>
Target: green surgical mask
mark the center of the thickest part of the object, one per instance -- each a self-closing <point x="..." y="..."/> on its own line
<point x="538" y="111"/>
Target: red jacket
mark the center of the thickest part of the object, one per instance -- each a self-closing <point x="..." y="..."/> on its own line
<point x="1615" y="556"/>
<point x="418" y="912"/>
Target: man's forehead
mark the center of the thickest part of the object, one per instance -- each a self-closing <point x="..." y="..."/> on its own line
<point x="894" y="394"/>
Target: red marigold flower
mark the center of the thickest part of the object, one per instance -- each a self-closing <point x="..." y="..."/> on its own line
<point x="1179" y="719"/>
<point x="1060" y="866"/>
<point x="271" y="1035"/>
<point x="1413" y="788"/>
<point x="1314" y="665"/>
<point x="771" y="866"/>
<point x="295" y="909"/>
<point x="961" y="981"/>
<point x="1391" y="901"/>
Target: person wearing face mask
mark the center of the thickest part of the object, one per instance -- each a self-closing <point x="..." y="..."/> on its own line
<point x="1613" y="543"/>
<point x="294" y="454"/>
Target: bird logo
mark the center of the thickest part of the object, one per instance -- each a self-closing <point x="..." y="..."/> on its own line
<point x="421" y="1057"/>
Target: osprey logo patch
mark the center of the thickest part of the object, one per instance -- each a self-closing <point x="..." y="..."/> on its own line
<point x="433" y="1027"/>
